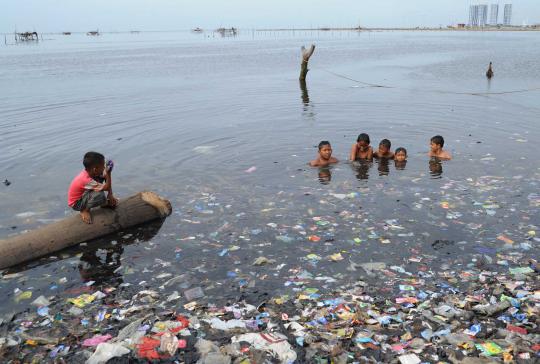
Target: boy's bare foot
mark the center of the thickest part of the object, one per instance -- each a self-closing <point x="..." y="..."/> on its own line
<point x="86" y="216"/>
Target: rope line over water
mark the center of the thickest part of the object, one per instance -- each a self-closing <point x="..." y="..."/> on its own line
<point x="367" y="84"/>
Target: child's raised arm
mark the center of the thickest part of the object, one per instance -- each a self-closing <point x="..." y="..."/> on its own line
<point x="107" y="186"/>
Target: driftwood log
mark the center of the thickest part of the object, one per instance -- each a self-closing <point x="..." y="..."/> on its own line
<point x="306" y="54"/>
<point x="132" y="211"/>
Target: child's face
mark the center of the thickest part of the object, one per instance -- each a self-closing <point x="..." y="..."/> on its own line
<point x="98" y="170"/>
<point x="383" y="150"/>
<point x="435" y="148"/>
<point x="325" y="152"/>
<point x="400" y="156"/>
<point x="362" y="145"/>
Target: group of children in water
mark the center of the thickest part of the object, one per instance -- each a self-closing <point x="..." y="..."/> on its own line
<point x="92" y="187"/>
<point x="361" y="150"/>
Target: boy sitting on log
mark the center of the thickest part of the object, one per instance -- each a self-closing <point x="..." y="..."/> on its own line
<point x="87" y="190"/>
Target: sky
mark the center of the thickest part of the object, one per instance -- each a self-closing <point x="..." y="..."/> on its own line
<point x="144" y="15"/>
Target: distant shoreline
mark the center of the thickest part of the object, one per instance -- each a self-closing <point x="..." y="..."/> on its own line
<point x="534" y="28"/>
<point x="465" y="29"/>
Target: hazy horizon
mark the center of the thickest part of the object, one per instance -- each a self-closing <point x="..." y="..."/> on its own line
<point x="147" y="15"/>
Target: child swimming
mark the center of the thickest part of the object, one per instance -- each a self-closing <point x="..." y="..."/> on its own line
<point x="400" y="154"/>
<point x="325" y="155"/>
<point x="361" y="149"/>
<point x="384" y="150"/>
<point x="437" y="151"/>
<point x="400" y="158"/>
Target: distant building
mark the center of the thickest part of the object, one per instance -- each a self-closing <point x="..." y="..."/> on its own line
<point x="507" y="14"/>
<point x="482" y="15"/>
<point x="473" y="16"/>
<point x="494" y="14"/>
<point x="478" y="15"/>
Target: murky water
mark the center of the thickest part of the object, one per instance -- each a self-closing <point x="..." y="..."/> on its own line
<point x="185" y="115"/>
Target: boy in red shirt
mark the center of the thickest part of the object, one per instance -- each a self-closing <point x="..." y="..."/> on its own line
<point x="87" y="190"/>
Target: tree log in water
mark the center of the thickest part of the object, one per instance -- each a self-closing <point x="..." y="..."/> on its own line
<point x="132" y="211"/>
<point x="306" y="54"/>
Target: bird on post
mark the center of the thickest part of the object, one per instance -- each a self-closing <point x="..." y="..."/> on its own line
<point x="489" y="72"/>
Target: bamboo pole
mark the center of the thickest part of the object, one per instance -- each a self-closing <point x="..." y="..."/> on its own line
<point x="134" y="210"/>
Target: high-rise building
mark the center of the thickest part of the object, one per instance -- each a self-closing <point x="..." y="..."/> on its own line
<point x="482" y="15"/>
<point x="473" y="15"/>
<point x="494" y="15"/>
<point x="507" y="14"/>
<point x="478" y="15"/>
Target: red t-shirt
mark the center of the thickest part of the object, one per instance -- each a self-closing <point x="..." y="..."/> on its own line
<point x="82" y="182"/>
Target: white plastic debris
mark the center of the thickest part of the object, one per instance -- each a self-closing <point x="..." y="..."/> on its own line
<point x="105" y="352"/>
<point x="274" y="343"/>
<point x="41" y="301"/>
<point x="226" y="325"/>
<point x="168" y="344"/>
<point x="409" y="359"/>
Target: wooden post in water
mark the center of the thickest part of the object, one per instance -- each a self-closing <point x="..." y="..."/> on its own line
<point x="306" y="54"/>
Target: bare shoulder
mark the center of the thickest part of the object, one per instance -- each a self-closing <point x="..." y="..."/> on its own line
<point x="314" y="163"/>
<point x="333" y="160"/>
<point x="446" y="155"/>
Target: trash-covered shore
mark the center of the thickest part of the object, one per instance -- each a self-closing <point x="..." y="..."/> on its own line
<point x="316" y="275"/>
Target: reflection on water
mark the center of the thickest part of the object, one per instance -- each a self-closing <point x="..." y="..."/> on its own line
<point x="308" y="108"/>
<point x="383" y="166"/>
<point x="325" y="175"/>
<point x="361" y="168"/>
<point x="103" y="263"/>
<point x="93" y="268"/>
<point x="435" y="168"/>
<point x="400" y="165"/>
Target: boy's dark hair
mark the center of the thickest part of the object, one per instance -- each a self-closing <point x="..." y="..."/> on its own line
<point x="363" y="138"/>
<point x="400" y="149"/>
<point x="385" y="143"/>
<point x="92" y="159"/>
<point x="437" y="139"/>
<point x="323" y="143"/>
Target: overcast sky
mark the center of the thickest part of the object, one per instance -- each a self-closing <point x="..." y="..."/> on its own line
<point x="118" y="15"/>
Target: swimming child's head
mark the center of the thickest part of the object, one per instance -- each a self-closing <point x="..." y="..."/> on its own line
<point x="363" y="141"/>
<point x="400" y="154"/>
<point x="384" y="146"/>
<point x="325" y="150"/>
<point x="94" y="163"/>
<point x="437" y="143"/>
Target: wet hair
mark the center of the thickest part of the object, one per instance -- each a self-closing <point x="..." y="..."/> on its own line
<point x="323" y="143"/>
<point x="437" y="139"/>
<point x="93" y="159"/>
<point x="363" y="138"/>
<point x="385" y="143"/>
<point x="400" y="149"/>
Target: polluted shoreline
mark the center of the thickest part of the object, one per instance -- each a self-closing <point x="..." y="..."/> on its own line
<point x="286" y="286"/>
